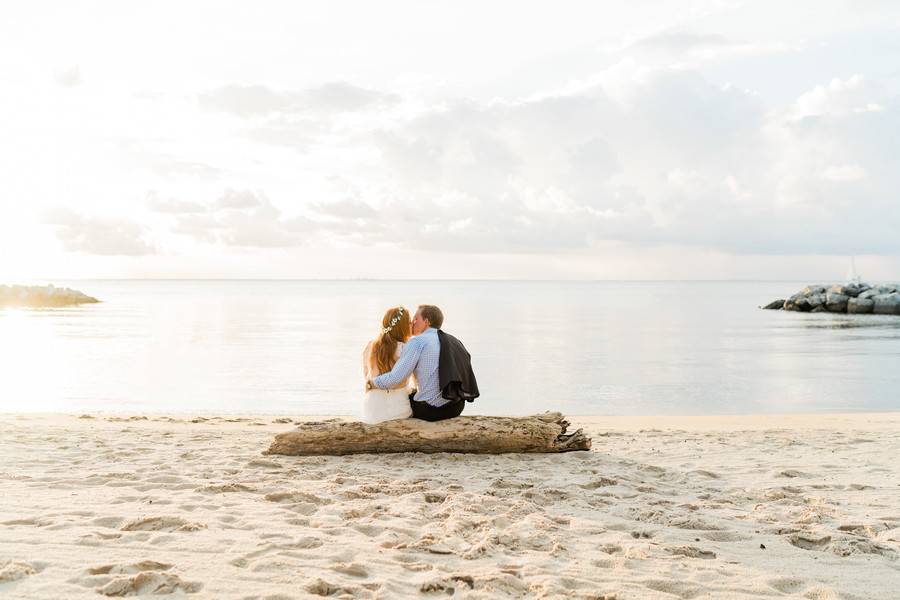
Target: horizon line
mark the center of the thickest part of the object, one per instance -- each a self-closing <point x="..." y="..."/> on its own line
<point x="357" y="279"/>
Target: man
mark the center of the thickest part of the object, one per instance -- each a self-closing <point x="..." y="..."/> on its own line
<point x="422" y="355"/>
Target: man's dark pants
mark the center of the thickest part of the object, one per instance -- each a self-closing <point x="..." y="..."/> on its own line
<point x="427" y="412"/>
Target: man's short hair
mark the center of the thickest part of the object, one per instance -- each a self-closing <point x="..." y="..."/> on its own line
<point x="433" y="314"/>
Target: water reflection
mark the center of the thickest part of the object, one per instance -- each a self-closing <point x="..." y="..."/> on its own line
<point x="585" y="348"/>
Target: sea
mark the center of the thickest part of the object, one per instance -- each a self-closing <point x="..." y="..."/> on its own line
<point x="225" y="347"/>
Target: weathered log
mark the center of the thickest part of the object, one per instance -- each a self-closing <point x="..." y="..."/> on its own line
<point x="475" y="434"/>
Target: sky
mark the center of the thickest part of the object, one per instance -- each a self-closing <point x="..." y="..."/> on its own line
<point x="450" y="140"/>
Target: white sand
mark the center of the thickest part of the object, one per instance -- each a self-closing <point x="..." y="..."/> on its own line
<point x="661" y="508"/>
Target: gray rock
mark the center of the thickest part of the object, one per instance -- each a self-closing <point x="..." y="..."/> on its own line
<point x="836" y="302"/>
<point x="887" y="304"/>
<point x="850" y="289"/>
<point x="819" y="308"/>
<point x="860" y="305"/>
<point x="812" y="289"/>
<point x="868" y="294"/>
<point x="816" y="300"/>
<point x="774" y="305"/>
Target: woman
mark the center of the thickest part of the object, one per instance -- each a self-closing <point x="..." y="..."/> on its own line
<point x="379" y="357"/>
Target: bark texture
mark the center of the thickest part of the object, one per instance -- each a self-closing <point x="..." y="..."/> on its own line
<point x="475" y="435"/>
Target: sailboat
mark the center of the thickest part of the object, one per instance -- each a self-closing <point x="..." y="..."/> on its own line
<point x="852" y="275"/>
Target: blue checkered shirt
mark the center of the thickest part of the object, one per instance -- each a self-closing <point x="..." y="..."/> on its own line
<point x="420" y="354"/>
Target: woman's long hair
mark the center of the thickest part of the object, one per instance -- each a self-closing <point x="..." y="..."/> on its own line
<point x="385" y="347"/>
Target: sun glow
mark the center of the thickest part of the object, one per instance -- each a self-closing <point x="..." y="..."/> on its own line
<point x="26" y="349"/>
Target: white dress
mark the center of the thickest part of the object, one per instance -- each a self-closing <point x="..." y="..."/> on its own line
<point x="384" y="405"/>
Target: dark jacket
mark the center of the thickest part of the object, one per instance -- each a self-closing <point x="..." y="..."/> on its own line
<point x="455" y="373"/>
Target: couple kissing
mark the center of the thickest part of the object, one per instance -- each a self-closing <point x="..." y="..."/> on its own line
<point x="415" y="369"/>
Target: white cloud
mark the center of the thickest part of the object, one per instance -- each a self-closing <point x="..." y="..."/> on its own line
<point x="98" y="235"/>
<point x="684" y="48"/>
<point x="68" y="76"/>
<point x="839" y="97"/>
<point x="172" y="205"/>
<point x="259" y="100"/>
<point x="710" y="126"/>
<point x="844" y="173"/>
<point x="242" y="218"/>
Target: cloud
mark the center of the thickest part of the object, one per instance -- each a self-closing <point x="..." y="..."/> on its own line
<point x="845" y="173"/>
<point x="68" y="76"/>
<point x="856" y="94"/>
<point x="239" y="199"/>
<point x="684" y="47"/>
<point x="345" y="208"/>
<point x="667" y="159"/>
<point x="259" y="100"/>
<point x="171" y="205"/>
<point x="300" y="133"/>
<point x="243" y="218"/>
<point x="163" y="164"/>
<point x="94" y="235"/>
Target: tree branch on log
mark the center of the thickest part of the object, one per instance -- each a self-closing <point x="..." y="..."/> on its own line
<point x="475" y="435"/>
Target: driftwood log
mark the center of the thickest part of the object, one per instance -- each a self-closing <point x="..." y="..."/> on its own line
<point x="476" y="435"/>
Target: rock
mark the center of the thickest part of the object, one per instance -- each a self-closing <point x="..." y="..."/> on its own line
<point x="887" y="304"/>
<point x="812" y="289"/>
<point x="853" y="298"/>
<point x="851" y="289"/>
<point x="816" y="300"/>
<point x="797" y="302"/>
<point x="836" y="302"/>
<point x="38" y="296"/>
<point x="860" y="305"/>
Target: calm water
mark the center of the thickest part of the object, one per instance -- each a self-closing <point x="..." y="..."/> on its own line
<point x="293" y="347"/>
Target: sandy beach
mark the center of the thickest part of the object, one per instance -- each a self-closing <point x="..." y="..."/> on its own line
<point x="787" y="506"/>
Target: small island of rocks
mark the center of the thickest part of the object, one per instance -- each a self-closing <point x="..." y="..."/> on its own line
<point x="41" y="296"/>
<point x="851" y="298"/>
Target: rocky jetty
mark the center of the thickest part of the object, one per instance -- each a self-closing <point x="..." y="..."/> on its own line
<point x="851" y="298"/>
<point x="41" y="296"/>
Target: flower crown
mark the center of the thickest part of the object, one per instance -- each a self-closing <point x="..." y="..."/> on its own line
<point x="394" y="321"/>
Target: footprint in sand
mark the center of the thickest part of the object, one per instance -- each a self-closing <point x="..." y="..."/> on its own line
<point x="704" y="473"/>
<point x="263" y="463"/>
<point x="148" y="582"/>
<point x="448" y="585"/>
<point x="351" y="569"/>
<point x="294" y="496"/>
<point x="642" y="535"/>
<point x="13" y="570"/>
<point x="691" y="552"/>
<point x="787" y="585"/>
<point x="602" y="482"/>
<point x="146" y="565"/>
<point x="162" y="524"/>
<point x="682" y="589"/>
<point x="724" y="536"/>
<point x="792" y="473"/>
<point x="97" y="538"/>
<point x="35" y="521"/>
<point x="320" y="587"/>
<point x="808" y="541"/>
<point x="109" y="522"/>
<point x="144" y="577"/>
<point x="224" y="488"/>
